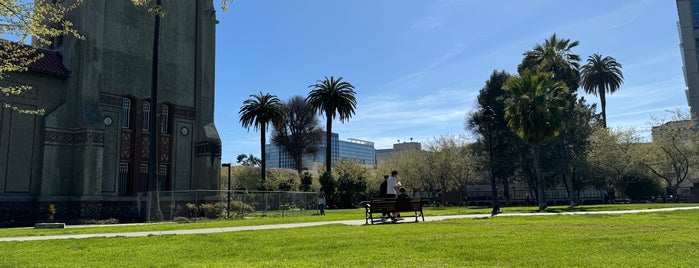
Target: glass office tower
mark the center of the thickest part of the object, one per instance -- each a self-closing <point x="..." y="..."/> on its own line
<point x="688" y="11"/>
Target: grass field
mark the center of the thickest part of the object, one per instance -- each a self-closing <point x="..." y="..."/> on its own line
<point x="667" y="239"/>
<point x="332" y="215"/>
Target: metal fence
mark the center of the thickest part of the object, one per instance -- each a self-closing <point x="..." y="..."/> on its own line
<point x="213" y="204"/>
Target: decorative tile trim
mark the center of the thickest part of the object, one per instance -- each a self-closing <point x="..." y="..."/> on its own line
<point x="73" y="137"/>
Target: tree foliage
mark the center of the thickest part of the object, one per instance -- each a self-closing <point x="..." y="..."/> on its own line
<point x="334" y="98"/>
<point x="300" y="134"/>
<point x="534" y="113"/>
<point x="248" y="160"/>
<point x="447" y="163"/>
<point x="601" y="76"/>
<point x="673" y="155"/>
<point x="258" y="112"/>
<point x="614" y="154"/>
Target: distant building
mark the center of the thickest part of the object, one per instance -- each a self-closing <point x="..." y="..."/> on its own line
<point x="357" y="150"/>
<point x="383" y="155"/>
<point x="88" y="154"/>
<point x="688" y="11"/>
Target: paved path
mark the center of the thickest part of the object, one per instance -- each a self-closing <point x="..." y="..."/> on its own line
<point x="309" y="224"/>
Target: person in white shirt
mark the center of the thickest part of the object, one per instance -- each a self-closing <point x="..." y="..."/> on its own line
<point x="391" y="183"/>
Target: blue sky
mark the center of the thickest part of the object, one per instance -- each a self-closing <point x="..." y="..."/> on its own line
<point x="418" y="65"/>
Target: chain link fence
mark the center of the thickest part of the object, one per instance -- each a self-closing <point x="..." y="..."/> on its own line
<point x="213" y="204"/>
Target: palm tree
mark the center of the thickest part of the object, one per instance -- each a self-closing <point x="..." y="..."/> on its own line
<point x="534" y="113"/>
<point x="554" y="56"/>
<point x="258" y="112"/>
<point x="601" y="76"/>
<point x="335" y="98"/>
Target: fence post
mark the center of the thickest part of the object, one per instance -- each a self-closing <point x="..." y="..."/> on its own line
<point x="148" y="206"/>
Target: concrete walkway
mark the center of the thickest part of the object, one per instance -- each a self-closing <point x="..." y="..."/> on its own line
<point x="310" y="224"/>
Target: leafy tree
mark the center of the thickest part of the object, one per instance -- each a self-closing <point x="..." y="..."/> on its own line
<point x="300" y="134"/>
<point x="351" y="182"/>
<point x="507" y="146"/>
<point x="567" y="152"/>
<point x="601" y="76"/>
<point x="643" y="187"/>
<point x="446" y="164"/>
<point x="306" y="182"/>
<point x="280" y="179"/>
<point x="534" y="113"/>
<point x="672" y="155"/>
<point x="334" y="98"/>
<point x="328" y="186"/>
<point x="248" y="160"/>
<point x="258" y="112"/>
<point x="413" y="169"/>
<point x="611" y="157"/>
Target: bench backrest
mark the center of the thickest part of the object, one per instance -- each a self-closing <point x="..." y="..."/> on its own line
<point x="402" y="205"/>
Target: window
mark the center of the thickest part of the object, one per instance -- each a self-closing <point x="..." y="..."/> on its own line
<point x="125" y="112"/>
<point x="144" y="177"/>
<point x="145" y="122"/>
<point x="162" y="172"/>
<point x="164" y="119"/>
<point x="123" y="177"/>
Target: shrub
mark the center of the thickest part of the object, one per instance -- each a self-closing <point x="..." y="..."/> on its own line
<point x="211" y="210"/>
<point x="192" y="210"/>
<point x="240" y="209"/>
<point x="643" y="188"/>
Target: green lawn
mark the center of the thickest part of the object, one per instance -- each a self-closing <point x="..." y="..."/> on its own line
<point x="662" y="239"/>
<point x="332" y="215"/>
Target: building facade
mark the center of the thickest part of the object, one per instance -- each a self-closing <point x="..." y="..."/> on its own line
<point x="352" y="149"/>
<point x="88" y="154"/>
<point x="383" y="155"/>
<point x="688" y="11"/>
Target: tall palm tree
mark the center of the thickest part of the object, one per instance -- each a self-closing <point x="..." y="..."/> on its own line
<point x="534" y="112"/>
<point x="601" y="76"/>
<point x="335" y="98"/>
<point x="258" y="112"/>
<point x="554" y="55"/>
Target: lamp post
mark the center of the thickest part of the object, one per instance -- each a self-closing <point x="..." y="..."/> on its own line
<point x="228" y="210"/>
<point x="488" y="113"/>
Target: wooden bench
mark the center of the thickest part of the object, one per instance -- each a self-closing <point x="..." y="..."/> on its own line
<point x="390" y="205"/>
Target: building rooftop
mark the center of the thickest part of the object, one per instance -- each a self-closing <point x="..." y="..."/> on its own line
<point x="51" y="64"/>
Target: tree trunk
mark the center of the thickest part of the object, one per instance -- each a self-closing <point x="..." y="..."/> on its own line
<point x="540" y="195"/>
<point x="328" y="143"/>
<point x="603" y="101"/>
<point x="570" y="186"/>
<point x="506" y="191"/>
<point x="263" y="164"/>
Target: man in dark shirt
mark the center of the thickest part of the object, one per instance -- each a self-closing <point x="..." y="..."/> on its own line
<point x="383" y="194"/>
<point x="383" y="187"/>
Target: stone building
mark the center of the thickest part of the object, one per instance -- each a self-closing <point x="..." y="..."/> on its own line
<point x="88" y="154"/>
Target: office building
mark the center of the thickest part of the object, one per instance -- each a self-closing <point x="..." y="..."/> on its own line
<point x="688" y="11"/>
<point x="352" y="149"/>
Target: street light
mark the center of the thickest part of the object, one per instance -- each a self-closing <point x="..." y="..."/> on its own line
<point x="488" y="113"/>
<point x="228" y="211"/>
